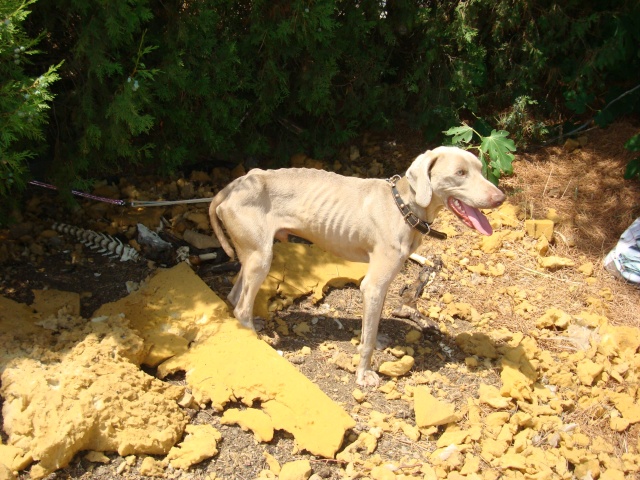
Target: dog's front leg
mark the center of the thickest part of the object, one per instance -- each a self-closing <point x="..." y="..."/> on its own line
<point x="374" y="288"/>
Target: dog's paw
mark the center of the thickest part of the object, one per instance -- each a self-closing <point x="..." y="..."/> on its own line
<point x="367" y="378"/>
<point x="259" y="324"/>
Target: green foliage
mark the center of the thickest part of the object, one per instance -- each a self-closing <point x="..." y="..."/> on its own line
<point x="494" y="149"/>
<point x="24" y="99"/>
<point x="633" y="167"/>
<point x="160" y="85"/>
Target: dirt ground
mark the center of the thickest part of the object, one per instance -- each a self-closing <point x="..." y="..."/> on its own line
<point x="593" y="205"/>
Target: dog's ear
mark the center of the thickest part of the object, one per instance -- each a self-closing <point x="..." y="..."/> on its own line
<point x="418" y="176"/>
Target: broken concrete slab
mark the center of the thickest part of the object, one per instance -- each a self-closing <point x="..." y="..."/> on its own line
<point x="227" y="362"/>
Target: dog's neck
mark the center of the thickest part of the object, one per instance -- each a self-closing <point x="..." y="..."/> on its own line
<point x="427" y="214"/>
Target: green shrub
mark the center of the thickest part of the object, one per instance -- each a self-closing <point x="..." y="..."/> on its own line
<point x="24" y="97"/>
<point x="165" y="84"/>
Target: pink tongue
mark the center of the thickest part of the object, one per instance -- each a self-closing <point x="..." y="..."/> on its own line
<point x="478" y="219"/>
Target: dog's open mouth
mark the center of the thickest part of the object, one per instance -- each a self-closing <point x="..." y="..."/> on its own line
<point x="471" y="216"/>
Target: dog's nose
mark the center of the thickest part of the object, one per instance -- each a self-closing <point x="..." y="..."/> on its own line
<point x="498" y="198"/>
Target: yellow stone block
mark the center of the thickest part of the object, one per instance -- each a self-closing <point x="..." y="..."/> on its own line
<point x="430" y="411"/>
<point x="538" y="228"/>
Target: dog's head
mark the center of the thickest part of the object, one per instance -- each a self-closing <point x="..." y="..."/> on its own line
<point x="453" y="177"/>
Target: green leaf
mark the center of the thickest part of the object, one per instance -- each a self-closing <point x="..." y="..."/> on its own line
<point x="499" y="149"/>
<point x="460" y="134"/>
<point x="633" y="169"/>
<point x="633" y="144"/>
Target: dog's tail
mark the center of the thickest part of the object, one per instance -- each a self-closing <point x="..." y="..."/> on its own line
<point x="215" y="223"/>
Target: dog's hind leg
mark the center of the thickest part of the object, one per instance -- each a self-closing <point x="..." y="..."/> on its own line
<point x="234" y="295"/>
<point x="255" y="269"/>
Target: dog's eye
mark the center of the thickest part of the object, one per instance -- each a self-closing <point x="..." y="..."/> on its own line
<point x="461" y="173"/>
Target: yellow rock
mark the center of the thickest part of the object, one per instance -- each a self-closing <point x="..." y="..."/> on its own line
<point x="69" y="380"/>
<point x="199" y="444"/>
<point x="411" y="432"/>
<point x="587" y="371"/>
<point x="471" y="362"/>
<point x="493" y="243"/>
<point x="455" y="437"/>
<point x="398" y="368"/>
<point x="430" y="411"/>
<point x="491" y="396"/>
<point x="13" y="458"/>
<point x="515" y="383"/>
<point x="250" y="419"/>
<point x="538" y="228"/>
<point x="358" y="395"/>
<point x="555" y="262"/>
<point x="297" y="470"/>
<point x="413" y="336"/>
<point x="298" y="269"/>
<point x="447" y="298"/>
<point x="554" y="318"/>
<point x="542" y="246"/>
<point x="589" y="468"/>
<point x="301" y="329"/>
<point x="586" y="269"/>
<point x="511" y="461"/>
<point x="471" y="465"/>
<point x="492" y="449"/>
<point x="50" y="302"/>
<point x="227" y="362"/>
<point x="274" y="465"/>
<point x="478" y="344"/>
<point x="612" y="474"/>
<point x="506" y="215"/>
<point x="97" y="457"/>
<point x="151" y="467"/>
<point x="618" y="341"/>
<point x="382" y="472"/>
<point x="626" y="405"/>
<point x="5" y="473"/>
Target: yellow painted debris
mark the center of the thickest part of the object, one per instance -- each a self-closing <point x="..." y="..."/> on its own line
<point x="542" y="246"/>
<point x="199" y="444"/>
<point x="50" y="302"/>
<point x="82" y="389"/>
<point x="554" y="318"/>
<point x="430" y="411"/>
<point x="227" y="361"/>
<point x="298" y="269"/>
<point x="250" y="419"/>
<point x="554" y="262"/>
<point x="398" y="368"/>
<point x="151" y="467"/>
<point x="478" y="344"/>
<point x="505" y="216"/>
<point x="587" y="371"/>
<point x="298" y="470"/>
<point x="358" y="395"/>
<point x="413" y="336"/>
<point x="97" y="457"/>
<point x="586" y="269"/>
<point x="491" y="396"/>
<point x="618" y="341"/>
<point x="517" y="380"/>
<point x="382" y="472"/>
<point x="13" y="458"/>
<point x="538" y="228"/>
<point x="273" y="463"/>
